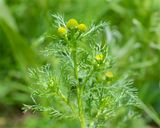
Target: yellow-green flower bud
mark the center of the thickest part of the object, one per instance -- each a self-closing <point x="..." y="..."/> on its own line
<point x="62" y="31"/>
<point x="99" y="57"/>
<point x="72" y="24"/>
<point x="109" y="74"/>
<point x="82" y="27"/>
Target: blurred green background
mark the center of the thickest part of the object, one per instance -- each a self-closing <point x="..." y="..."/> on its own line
<point x="133" y="36"/>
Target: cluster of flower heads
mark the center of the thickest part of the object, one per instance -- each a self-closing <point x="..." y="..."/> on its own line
<point x="72" y="24"/>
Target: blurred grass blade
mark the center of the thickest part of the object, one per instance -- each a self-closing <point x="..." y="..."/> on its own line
<point x="150" y="112"/>
<point x="21" y="50"/>
<point x="23" y="54"/>
<point x="6" y="16"/>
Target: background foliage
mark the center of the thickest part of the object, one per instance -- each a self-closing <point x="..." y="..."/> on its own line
<point x="134" y="37"/>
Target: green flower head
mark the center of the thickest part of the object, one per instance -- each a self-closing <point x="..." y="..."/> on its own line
<point x="72" y="24"/>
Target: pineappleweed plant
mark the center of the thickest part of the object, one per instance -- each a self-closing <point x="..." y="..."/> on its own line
<point x="80" y="84"/>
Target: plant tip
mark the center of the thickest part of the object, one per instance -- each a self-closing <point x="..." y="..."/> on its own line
<point x="99" y="57"/>
<point x="82" y="27"/>
<point x="62" y="31"/>
<point x="72" y="24"/>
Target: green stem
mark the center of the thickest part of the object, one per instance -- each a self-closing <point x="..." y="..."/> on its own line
<point x="75" y="61"/>
<point x="66" y="101"/>
<point x="79" y="89"/>
<point x="80" y="107"/>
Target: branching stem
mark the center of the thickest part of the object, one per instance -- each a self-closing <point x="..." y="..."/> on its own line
<point x="66" y="101"/>
<point x="79" y="88"/>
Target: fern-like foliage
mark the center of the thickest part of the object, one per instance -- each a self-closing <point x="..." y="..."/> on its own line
<point x="80" y="83"/>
